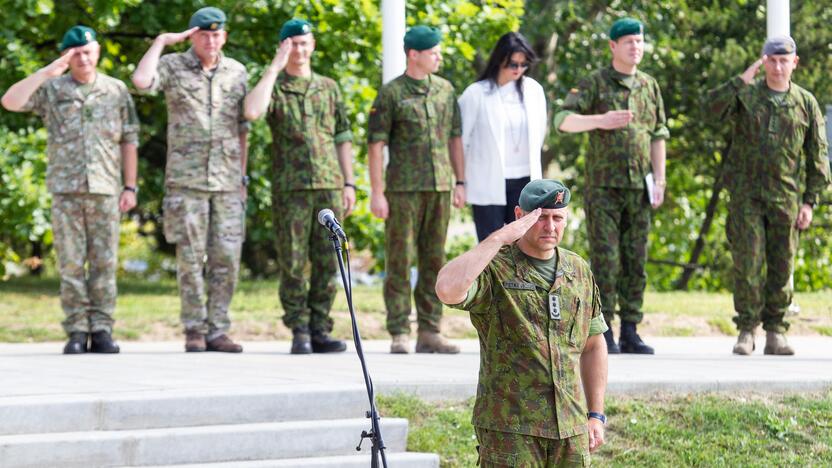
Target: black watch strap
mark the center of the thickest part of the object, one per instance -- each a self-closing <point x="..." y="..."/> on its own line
<point x="598" y="416"/>
<point x="128" y="188"/>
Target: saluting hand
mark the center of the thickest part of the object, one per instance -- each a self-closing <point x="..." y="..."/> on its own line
<point x="281" y="55"/>
<point x="515" y="230"/>
<point x="615" y="119"/>
<point x="750" y="72"/>
<point x="174" y="38"/>
<point x="60" y="65"/>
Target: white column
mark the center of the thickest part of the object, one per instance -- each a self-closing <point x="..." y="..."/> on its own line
<point x="777" y="18"/>
<point x="392" y="39"/>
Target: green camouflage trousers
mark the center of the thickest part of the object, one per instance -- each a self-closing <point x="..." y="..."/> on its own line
<point x="85" y="229"/>
<point x="618" y="223"/>
<point x="304" y="251"/>
<point x="505" y="449"/>
<point x="418" y="223"/>
<point x="208" y="229"/>
<point x="762" y="234"/>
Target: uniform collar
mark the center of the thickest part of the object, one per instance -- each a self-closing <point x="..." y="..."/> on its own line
<point x="564" y="269"/>
<point x="290" y="84"/>
<point x="193" y="61"/>
<point x="612" y="74"/>
<point x="790" y="97"/>
<point x="420" y="86"/>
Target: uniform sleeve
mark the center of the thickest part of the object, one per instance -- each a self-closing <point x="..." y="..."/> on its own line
<point x="721" y="102"/>
<point x="815" y="149"/>
<point x="456" y="122"/>
<point x="381" y="117"/>
<point x="660" y="131"/>
<point x="37" y="101"/>
<point x="479" y="295"/>
<point x="343" y="129"/>
<point x="161" y="75"/>
<point x="243" y="124"/>
<point x="578" y="101"/>
<point x="129" y="120"/>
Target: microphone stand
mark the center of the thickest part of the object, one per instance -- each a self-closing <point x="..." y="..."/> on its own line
<point x="377" y="449"/>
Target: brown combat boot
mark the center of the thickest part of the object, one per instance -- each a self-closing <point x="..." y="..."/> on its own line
<point x="776" y="344"/>
<point x="400" y="344"/>
<point x="745" y="343"/>
<point x="194" y="341"/>
<point x="433" y="342"/>
<point x="223" y="344"/>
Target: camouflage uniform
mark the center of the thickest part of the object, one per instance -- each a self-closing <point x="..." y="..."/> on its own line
<point x="530" y="395"/>
<point x="416" y="119"/>
<point x="617" y="207"/>
<point x="777" y="162"/>
<point x="203" y="209"/>
<point x="87" y="124"/>
<point x="307" y="118"/>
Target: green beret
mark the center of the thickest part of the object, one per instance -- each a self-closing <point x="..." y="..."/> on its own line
<point x="295" y="27"/>
<point x="625" y="27"/>
<point x="544" y="193"/>
<point x="422" y="38"/>
<point x="208" y="19"/>
<point x="77" y="36"/>
<point x="780" y="45"/>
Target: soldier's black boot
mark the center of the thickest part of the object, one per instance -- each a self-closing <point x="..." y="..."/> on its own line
<point x="102" y="342"/>
<point x="77" y="343"/>
<point x="612" y="348"/>
<point x="301" y="343"/>
<point x="629" y="341"/>
<point x="322" y="343"/>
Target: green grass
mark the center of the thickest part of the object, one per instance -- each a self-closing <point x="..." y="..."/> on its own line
<point x="659" y="431"/>
<point x="30" y="312"/>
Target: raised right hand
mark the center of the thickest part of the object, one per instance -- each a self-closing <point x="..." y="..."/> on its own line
<point x="59" y="66"/>
<point x="515" y="230"/>
<point x="174" y="38"/>
<point x="615" y="119"/>
<point x="750" y="72"/>
<point x="281" y="55"/>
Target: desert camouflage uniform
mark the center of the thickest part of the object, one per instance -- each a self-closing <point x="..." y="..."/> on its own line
<point x="530" y="395"/>
<point x="617" y="207"/>
<point x="416" y="119"/>
<point x="778" y="160"/>
<point x="307" y="118"/>
<point x="86" y="124"/>
<point x="204" y="212"/>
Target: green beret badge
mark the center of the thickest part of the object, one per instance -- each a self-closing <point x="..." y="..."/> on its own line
<point x="208" y="19"/>
<point x="544" y="193"/>
<point x="77" y="36"/>
<point x="295" y="27"/>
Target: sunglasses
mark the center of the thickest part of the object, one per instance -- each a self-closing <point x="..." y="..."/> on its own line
<point x="515" y="65"/>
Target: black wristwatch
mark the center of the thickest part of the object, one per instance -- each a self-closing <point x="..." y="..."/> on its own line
<point x="128" y="188"/>
<point x="246" y="180"/>
<point x="598" y="416"/>
<point x="348" y="184"/>
<point x="461" y="182"/>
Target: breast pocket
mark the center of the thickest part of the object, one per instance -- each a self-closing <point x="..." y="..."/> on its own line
<point x="522" y="316"/>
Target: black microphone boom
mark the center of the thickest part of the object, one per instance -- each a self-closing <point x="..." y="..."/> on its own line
<point x="327" y="219"/>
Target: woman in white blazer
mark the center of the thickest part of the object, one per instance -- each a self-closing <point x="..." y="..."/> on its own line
<point x="503" y="128"/>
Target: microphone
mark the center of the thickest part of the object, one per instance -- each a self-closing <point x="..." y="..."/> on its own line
<point x="327" y="219"/>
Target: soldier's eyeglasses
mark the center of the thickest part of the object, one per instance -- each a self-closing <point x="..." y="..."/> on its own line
<point x="517" y="65"/>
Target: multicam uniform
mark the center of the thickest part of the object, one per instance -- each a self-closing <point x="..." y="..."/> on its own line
<point x="617" y="207"/>
<point x="778" y="160"/>
<point x="530" y="408"/>
<point x="87" y="124"/>
<point x="204" y="212"/>
<point x="417" y="119"/>
<point x="308" y="118"/>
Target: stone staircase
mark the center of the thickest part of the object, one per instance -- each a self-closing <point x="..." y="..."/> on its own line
<point x="304" y="426"/>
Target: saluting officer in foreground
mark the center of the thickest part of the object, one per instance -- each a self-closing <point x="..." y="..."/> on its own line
<point x="776" y="170"/>
<point x="205" y="187"/>
<point x="312" y="171"/>
<point x="416" y="115"/>
<point x="543" y="361"/>
<point x="92" y="138"/>
<point x="622" y="109"/>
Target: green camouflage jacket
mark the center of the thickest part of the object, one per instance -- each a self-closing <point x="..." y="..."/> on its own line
<point x="530" y="380"/>
<point x="87" y="124"/>
<point x="618" y="158"/>
<point x="205" y="120"/>
<point x="308" y="119"/>
<point x="416" y="119"/>
<point x="779" y="148"/>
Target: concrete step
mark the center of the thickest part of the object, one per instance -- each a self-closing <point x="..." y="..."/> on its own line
<point x="394" y="460"/>
<point x="204" y="444"/>
<point x="160" y="409"/>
